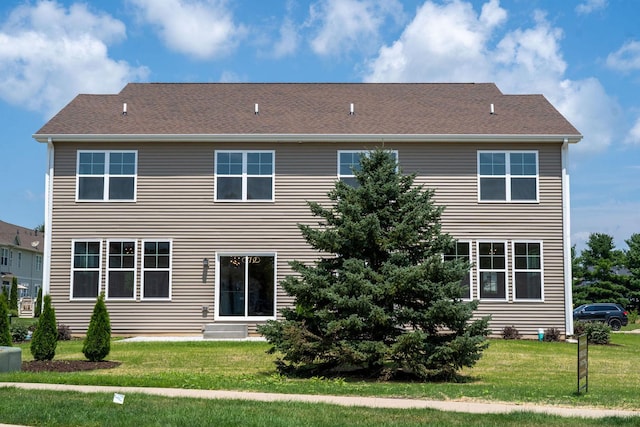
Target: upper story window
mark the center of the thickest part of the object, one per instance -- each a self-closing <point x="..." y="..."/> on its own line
<point x="106" y="175"/>
<point x="85" y="277"/>
<point x="4" y="256"/>
<point x="19" y="260"/>
<point x="244" y="175"/>
<point x="38" y="262"/>
<point x="349" y="161"/>
<point x="527" y="271"/>
<point x="508" y="176"/>
<point x="462" y="251"/>
<point x="492" y="270"/>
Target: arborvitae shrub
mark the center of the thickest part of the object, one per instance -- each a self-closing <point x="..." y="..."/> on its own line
<point x="13" y="297"/>
<point x="38" y="308"/>
<point x="97" y="343"/>
<point x="45" y="337"/>
<point x="5" y="334"/>
<point x="510" y="333"/>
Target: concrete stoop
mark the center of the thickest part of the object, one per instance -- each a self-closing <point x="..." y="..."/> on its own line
<point x="225" y="331"/>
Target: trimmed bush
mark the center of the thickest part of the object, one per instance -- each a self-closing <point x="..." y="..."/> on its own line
<point x="45" y="337"/>
<point x="5" y="334"/>
<point x="552" y="335"/>
<point x="19" y="332"/>
<point x="511" y="333"/>
<point x="13" y="296"/>
<point x="97" y="343"/>
<point x="597" y="332"/>
<point x="64" y="332"/>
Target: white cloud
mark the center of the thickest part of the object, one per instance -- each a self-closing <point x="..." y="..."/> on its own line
<point x="203" y="29"/>
<point x="289" y="39"/>
<point x="627" y="58"/>
<point x="48" y="54"/>
<point x="451" y="42"/>
<point x="350" y="25"/>
<point x="590" y="6"/>
<point x="633" y="137"/>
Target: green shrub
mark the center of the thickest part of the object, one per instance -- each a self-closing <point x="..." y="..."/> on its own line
<point x="552" y="335"/>
<point x="5" y="334"/>
<point x="511" y="333"/>
<point x="13" y="296"/>
<point x="45" y="337"/>
<point x="97" y="343"/>
<point x="19" y="332"/>
<point x="38" y="308"/>
<point x="597" y="332"/>
<point x="633" y="317"/>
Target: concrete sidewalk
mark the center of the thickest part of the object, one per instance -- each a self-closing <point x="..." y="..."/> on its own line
<point x="371" y="402"/>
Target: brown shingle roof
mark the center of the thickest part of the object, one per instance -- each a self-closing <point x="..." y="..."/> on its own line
<point x="21" y="237"/>
<point x="309" y="108"/>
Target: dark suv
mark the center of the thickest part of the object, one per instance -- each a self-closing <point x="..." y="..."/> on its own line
<point x="611" y="314"/>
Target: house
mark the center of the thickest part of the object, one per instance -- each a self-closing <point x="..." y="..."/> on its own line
<point x="181" y="201"/>
<point x="21" y="256"/>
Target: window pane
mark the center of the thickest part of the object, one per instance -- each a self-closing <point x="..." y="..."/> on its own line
<point x="156" y="284"/>
<point x="523" y="164"/>
<point x="259" y="163"/>
<point x="229" y="164"/>
<point x="91" y="164"/>
<point x="122" y="163"/>
<point x="85" y="284"/>
<point x="90" y="188"/>
<point x="492" y="164"/>
<point x="232" y="283"/>
<point x="353" y="182"/>
<point x="523" y="189"/>
<point x="121" y="284"/>
<point x="492" y="284"/>
<point x="493" y="189"/>
<point x="466" y="286"/>
<point x="259" y="188"/>
<point x="229" y="188"/>
<point x="121" y="188"/>
<point x="349" y="162"/>
<point x="261" y="286"/>
<point x="528" y="285"/>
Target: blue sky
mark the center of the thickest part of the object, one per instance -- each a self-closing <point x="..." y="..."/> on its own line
<point x="583" y="55"/>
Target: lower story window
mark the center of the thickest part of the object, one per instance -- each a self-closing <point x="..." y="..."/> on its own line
<point x="492" y="264"/>
<point x="121" y="277"/>
<point x="246" y="285"/>
<point x="85" y="280"/>
<point x="156" y="270"/>
<point x="527" y="270"/>
<point x="461" y="251"/>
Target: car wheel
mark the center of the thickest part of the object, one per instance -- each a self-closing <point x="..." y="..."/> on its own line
<point x="615" y="324"/>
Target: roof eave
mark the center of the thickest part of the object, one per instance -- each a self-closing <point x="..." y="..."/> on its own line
<point x="382" y="138"/>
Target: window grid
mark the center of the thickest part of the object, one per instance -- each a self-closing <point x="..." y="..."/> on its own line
<point x="121" y="269"/>
<point x="156" y="270"/>
<point x="243" y="176"/>
<point x="508" y="176"/>
<point x="348" y="161"/>
<point x="462" y="251"/>
<point x="106" y="176"/>
<point x="492" y="271"/>
<point x="85" y="269"/>
<point x="528" y="277"/>
<point x="4" y="256"/>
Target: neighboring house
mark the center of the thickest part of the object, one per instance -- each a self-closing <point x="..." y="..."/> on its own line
<point x="21" y="256"/>
<point x="181" y="201"/>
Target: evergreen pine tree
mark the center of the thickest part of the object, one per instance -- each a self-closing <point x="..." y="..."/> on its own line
<point x="97" y="343"/>
<point x="38" y="306"/>
<point x="13" y="296"/>
<point x="45" y="337"/>
<point x="5" y="330"/>
<point x="382" y="300"/>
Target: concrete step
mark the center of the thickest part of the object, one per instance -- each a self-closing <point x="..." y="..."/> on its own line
<point x="225" y="331"/>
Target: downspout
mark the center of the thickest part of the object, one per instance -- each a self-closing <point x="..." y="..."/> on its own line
<point x="48" y="210"/>
<point x="566" y="239"/>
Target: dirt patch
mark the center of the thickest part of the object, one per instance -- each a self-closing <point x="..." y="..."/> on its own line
<point x="66" y="365"/>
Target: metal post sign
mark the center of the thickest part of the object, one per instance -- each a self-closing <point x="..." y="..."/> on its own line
<point x="583" y="363"/>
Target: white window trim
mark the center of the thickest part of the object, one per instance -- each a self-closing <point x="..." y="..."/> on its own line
<point x="73" y="269"/>
<point x="143" y="269"/>
<point x="106" y="176"/>
<point x="245" y="175"/>
<point x="468" y="242"/>
<point x="4" y="257"/>
<point x="134" y="269"/>
<point x="505" y="270"/>
<point x="508" y="176"/>
<point x="217" y="315"/>
<point x="365" y="152"/>
<point x="540" y="270"/>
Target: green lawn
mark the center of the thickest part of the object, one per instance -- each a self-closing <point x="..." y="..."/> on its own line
<point x="515" y="371"/>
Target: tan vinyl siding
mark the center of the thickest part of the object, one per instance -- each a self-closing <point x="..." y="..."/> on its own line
<point x="175" y="200"/>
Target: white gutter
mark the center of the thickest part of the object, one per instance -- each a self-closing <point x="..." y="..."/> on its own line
<point x="48" y="210"/>
<point x="380" y="138"/>
<point x="566" y="238"/>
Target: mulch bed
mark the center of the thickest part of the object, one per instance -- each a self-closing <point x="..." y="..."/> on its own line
<point x="66" y="365"/>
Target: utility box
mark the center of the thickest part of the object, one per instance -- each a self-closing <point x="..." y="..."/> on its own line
<point x="10" y="359"/>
